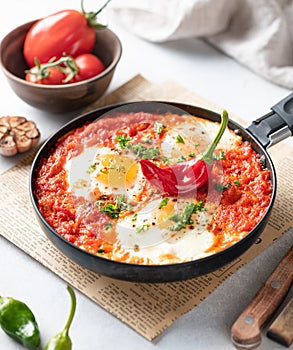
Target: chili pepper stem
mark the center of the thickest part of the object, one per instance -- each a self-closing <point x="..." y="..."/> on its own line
<point x="208" y="155"/>
<point x="72" y="310"/>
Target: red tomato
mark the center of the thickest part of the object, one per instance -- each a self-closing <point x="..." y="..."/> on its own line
<point x="63" y="32"/>
<point x="55" y="77"/>
<point x="68" y="32"/>
<point x="88" y="66"/>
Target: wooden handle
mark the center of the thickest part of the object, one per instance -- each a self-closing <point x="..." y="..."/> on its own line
<point x="246" y="331"/>
<point x="281" y="330"/>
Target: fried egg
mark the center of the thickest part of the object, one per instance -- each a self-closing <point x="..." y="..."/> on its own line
<point x="103" y="171"/>
<point x="149" y="234"/>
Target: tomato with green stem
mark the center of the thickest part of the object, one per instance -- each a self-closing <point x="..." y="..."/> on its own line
<point x="88" y="66"/>
<point x="45" y="75"/>
<point x="69" y="32"/>
<point x="65" y="70"/>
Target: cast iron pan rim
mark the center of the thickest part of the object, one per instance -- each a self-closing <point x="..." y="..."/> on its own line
<point x="79" y="120"/>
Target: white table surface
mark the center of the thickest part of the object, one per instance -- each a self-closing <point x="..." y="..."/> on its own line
<point x="207" y="72"/>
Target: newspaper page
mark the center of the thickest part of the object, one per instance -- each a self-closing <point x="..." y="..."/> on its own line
<point x="148" y="308"/>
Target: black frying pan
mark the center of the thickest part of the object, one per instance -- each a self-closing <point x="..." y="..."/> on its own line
<point x="262" y="133"/>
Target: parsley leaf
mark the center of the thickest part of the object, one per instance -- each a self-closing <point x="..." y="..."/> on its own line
<point x="91" y="168"/>
<point x="159" y="127"/>
<point x="179" y="139"/>
<point x="108" y="226"/>
<point x="165" y="160"/>
<point x="164" y="202"/>
<point x="181" y="159"/>
<point x="123" y="140"/>
<point x="113" y="209"/>
<point x="181" y="220"/>
<point x="221" y="156"/>
<point x="142" y="228"/>
<point x="143" y="152"/>
<point x="222" y="187"/>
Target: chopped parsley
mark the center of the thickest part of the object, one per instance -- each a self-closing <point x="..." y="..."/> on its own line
<point x="181" y="159"/>
<point x="219" y="156"/>
<point x="142" y="228"/>
<point x="92" y="168"/>
<point x="181" y="220"/>
<point x="159" y="127"/>
<point x="165" y="160"/>
<point x="147" y="138"/>
<point x="191" y="155"/>
<point x="222" y="187"/>
<point x="237" y="183"/>
<point x="164" y="202"/>
<point x="134" y="218"/>
<point x="113" y="209"/>
<point x="123" y="141"/>
<point x="108" y="226"/>
<point x="179" y="139"/>
<point x="143" y="152"/>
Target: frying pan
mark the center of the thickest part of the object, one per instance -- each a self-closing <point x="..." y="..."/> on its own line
<point x="262" y="133"/>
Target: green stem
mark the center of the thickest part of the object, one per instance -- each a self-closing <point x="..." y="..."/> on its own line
<point x="102" y="8"/>
<point x="65" y="64"/>
<point x="208" y="155"/>
<point x="72" y="310"/>
<point x="92" y="16"/>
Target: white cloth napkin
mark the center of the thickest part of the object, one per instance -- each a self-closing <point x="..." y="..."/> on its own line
<point x="257" y="33"/>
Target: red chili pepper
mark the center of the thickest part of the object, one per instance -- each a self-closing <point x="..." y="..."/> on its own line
<point x="185" y="177"/>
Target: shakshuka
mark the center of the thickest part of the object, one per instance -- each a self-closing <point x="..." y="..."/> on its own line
<point x="92" y="191"/>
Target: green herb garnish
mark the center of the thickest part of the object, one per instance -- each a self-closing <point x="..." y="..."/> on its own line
<point x="113" y="209"/>
<point x="142" y="228"/>
<point x="181" y="220"/>
<point x="108" y="226"/>
<point x="222" y="187"/>
<point x="123" y="141"/>
<point x="164" y="202"/>
<point x="143" y="152"/>
<point x="92" y="168"/>
<point x="134" y="218"/>
<point x="179" y="139"/>
<point x="159" y="127"/>
<point x="181" y="159"/>
<point x="165" y="160"/>
<point x="221" y="156"/>
<point x="237" y="183"/>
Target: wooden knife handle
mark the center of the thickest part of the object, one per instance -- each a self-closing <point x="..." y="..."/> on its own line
<point x="246" y="331"/>
<point x="281" y="330"/>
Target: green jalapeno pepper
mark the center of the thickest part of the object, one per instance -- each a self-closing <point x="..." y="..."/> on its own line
<point x="62" y="341"/>
<point x="18" y="321"/>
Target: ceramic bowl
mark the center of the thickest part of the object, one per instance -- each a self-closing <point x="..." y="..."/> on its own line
<point x="58" y="98"/>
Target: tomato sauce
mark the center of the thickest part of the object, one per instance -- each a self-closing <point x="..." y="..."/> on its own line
<point x="246" y="198"/>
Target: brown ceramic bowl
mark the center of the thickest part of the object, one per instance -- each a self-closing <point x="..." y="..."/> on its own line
<point x="58" y="98"/>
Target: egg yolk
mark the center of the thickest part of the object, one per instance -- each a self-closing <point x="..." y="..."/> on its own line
<point x="116" y="171"/>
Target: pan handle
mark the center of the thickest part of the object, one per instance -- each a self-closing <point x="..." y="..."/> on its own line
<point x="276" y="125"/>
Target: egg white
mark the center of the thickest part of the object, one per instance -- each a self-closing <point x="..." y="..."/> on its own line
<point x="157" y="242"/>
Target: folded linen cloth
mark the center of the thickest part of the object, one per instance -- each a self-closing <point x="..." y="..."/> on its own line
<point x="256" y="33"/>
